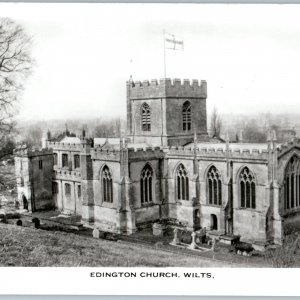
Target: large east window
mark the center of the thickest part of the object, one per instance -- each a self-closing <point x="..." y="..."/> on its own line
<point x="292" y="184"/>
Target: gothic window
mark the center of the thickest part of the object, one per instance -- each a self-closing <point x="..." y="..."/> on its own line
<point x="54" y="159"/>
<point x="40" y="164"/>
<point x="247" y="189"/>
<point x="65" y="160"/>
<point x="107" y="185"/>
<point x="67" y="189"/>
<point x="76" y="161"/>
<point x="292" y="184"/>
<point x="214" y="184"/>
<point x="182" y="182"/>
<point x="187" y="116"/>
<point x="146" y="117"/>
<point x="146" y="185"/>
<point x="54" y="188"/>
<point x="79" y="191"/>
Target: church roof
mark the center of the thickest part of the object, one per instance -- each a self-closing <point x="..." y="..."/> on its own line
<point x="102" y="141"/>
<point x="70" y="140"/>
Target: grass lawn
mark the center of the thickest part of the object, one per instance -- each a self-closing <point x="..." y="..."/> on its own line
<point x="20" y="246"/>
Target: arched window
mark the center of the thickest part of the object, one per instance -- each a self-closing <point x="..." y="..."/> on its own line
<point x="107" y="185"/>
<point x="146" y="117"/>
<point x="214" y="184"/>
<point x="187" y="116"/>
<point x="247" y="189"/>
<point x="54" y="159"/>
<point x="65" y="160"/>
<point x="67" y="189"/>
<point x="292" y="184"/>
<point x="146" y="182"/>
<point x="182" y="182"/>
<point x="76" y="161"/>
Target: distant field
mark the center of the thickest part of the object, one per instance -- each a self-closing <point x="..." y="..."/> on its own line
<point x="20" y="246"/>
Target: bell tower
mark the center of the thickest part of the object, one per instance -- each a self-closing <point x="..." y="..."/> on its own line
<point x="166" y="112"/>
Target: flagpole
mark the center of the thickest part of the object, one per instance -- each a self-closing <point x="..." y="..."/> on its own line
<point x="165" y="68"/>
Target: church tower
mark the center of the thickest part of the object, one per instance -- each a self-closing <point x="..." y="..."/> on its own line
<point x="166" y="113"/>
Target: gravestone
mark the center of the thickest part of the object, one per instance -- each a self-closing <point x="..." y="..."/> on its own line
<point x="96" y="233"/>
<point x="193" y="243"/>
<point x="36" y="222"/>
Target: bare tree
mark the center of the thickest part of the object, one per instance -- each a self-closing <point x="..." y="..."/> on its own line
<point x="215" y="123"/>
<point x="15" y="65"/>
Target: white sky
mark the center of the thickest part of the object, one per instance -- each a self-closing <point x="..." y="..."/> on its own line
<point x="249" y="55"/>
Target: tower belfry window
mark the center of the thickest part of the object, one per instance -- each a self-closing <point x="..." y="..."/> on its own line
<point x="146" y="117"/>
<point x="187" y="116"/>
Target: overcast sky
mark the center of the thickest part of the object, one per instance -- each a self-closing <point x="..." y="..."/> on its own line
<point x="249" y="55"/>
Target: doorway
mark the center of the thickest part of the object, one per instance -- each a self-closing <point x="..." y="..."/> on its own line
<point x="25" y="202"/>
<point x="213" y="222"/>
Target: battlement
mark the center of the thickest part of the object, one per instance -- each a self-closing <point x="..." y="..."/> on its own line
<point x="32" y="152"/>
<point x="167" y="88"/>
<point x="105" y="154"/>
<point x="65" y="146"/>
<point x="66" y="175"/>
<point x="210" y="151"/>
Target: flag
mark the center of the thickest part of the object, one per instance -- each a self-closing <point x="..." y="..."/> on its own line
<point x="172" y="42"/>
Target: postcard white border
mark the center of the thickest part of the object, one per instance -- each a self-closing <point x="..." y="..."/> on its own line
<point x="77" y="281"/>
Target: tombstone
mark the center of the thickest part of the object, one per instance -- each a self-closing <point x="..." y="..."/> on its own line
<point x="19" y="223"/>
<point x="4" y="220"/>
<point x="96" y="233"/>
<point x="213" y="245"/>
<point x="36" y="222"/>
<point x="25" y="202"/>
<point x="193" y="243"/>
<point x="202" y="235"/>
<point x="175" y="239"/>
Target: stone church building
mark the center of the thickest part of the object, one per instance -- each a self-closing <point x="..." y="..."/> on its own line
<point x="166" y="168"/>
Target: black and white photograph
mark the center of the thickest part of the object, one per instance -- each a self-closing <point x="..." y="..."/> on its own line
<point x="149" y="135"/>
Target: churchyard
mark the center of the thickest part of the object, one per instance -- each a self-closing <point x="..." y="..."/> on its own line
<point x="62" y="241"/>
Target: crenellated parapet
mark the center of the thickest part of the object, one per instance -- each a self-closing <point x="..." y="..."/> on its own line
<point x="105" y="154"/>
<point x="25" y="152"/>
<point x="62" y="174"/>
<point x="65" y="146"/>
<point x="219" y="152"/>
<point x="145" y="153"/>
<point x="167" y="88"/>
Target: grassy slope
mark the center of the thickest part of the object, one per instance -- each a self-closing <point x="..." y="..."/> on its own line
<point x="21" y="246"/>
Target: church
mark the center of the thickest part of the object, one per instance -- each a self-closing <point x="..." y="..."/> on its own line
<point x="166" y="169"/>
